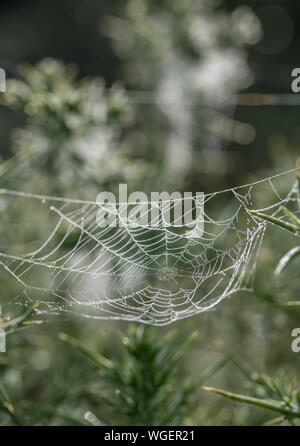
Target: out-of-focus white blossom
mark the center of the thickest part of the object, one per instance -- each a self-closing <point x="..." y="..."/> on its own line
<point x="191" y="55"/>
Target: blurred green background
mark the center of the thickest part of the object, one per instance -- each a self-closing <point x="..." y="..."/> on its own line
<point x="154" y="103"/>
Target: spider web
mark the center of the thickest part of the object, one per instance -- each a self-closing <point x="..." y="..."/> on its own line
<point x="151" y="273"/>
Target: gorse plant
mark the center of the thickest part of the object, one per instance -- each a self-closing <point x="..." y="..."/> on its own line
<point x="21" y="322"/>
<point x="8" y="326"/>
<point x="281" y="396"/>
<point x="70" y="124"/>
<point x="140" y="384"/>
<point x="292" y="225"/>
<point x="143" y="381"/>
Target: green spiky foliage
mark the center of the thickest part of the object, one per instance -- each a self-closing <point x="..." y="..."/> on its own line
<point x="143" y="382"/>
<point x="71" y="127"/>
<point x="280" y="395"/>
<point x="291" y="224"/>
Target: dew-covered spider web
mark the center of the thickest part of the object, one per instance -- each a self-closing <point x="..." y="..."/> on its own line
<point x="146" y="271"/>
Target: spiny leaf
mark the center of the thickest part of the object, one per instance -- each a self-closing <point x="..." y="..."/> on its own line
<point x="20" y="319"/>
<point x="170" y="366"/>
<point x="274" y="421"/>
<point x="291" y="216"/>
<point x="24" y="326"/>
<point x="7" y="406"/>
<point x="267" y="404"/>
<point x="286" y="260"/>
<point x="276" y="221"/>
<point x="100" y="360"/>
<point x="211" y="371"/>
